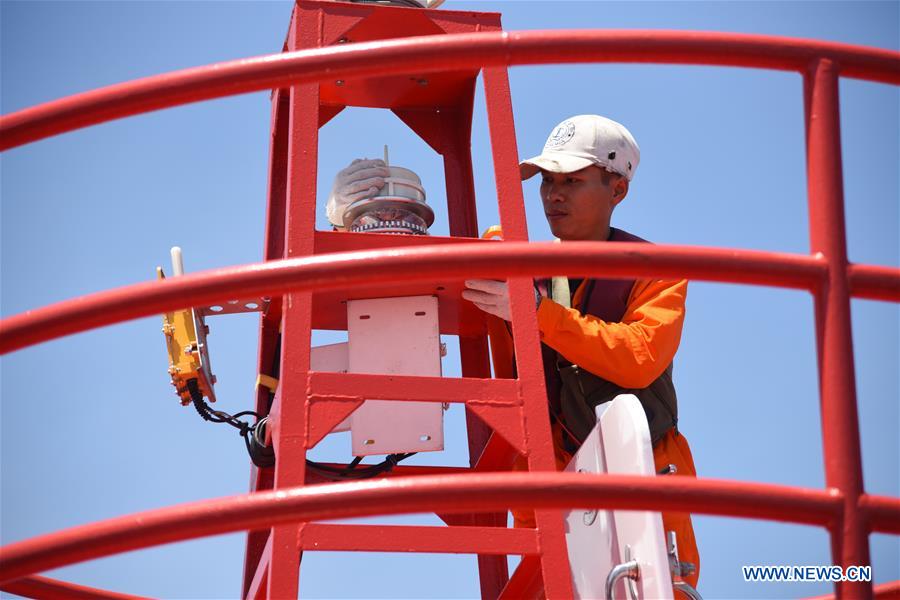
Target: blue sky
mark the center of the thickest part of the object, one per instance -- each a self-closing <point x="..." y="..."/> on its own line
<point x="91" y="428"/>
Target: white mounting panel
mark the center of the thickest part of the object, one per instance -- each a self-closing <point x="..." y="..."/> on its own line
<point x="618" y="444"/>
<point x="395" y="336"/>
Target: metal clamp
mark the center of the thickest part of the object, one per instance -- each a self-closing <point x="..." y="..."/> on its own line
<point x="687" y="589"/>
<point x="590" y="515"/>
<point x="680" y="569"/>
<point x="630" y="570"/>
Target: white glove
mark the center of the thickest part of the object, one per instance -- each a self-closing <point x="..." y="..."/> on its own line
<point x="490" y="296"/>
<point x="361" y="178"/>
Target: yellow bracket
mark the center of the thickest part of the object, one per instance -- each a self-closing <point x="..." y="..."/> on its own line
<point x="494" y="231"/>
<point x="183" y="349"/>
<point x="266" y="381"/>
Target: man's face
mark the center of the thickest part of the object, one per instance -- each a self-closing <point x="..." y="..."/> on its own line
<point x="578" y="205"/>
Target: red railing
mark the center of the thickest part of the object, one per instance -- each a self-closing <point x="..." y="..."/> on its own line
<point x="843" y="507"/>
<point x="440" y="53"/>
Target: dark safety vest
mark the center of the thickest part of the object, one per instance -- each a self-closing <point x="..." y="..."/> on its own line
<point x="574" y="393"/>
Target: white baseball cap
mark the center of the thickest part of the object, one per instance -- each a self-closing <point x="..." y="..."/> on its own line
<point x="585" y="140"/>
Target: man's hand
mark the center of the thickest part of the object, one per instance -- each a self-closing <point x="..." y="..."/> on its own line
<point x="360" y="179"/>
<point x="489" y="295"/>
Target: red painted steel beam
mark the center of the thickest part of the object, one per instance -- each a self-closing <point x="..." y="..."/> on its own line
<point x="412" y="538"/>
<point x="54" y="589"/>
<point x="525" y="582"/>
<point x="874" y="282"/>
<point x="498" y="455"/>
<point x="450" y="493"/>
<point x="356" y="269"/>
<point x="257" y="585"/>
<point x="882" y="512"/>
<point x="414" y="388"/>
<point x="425" y="54"/>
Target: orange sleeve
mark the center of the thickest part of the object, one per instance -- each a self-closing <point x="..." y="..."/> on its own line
<point x="631" y="353"/>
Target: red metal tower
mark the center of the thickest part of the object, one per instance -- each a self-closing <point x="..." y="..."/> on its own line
<point x="438" y="107"/>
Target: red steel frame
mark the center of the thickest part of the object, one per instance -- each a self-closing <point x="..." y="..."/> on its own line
<point x="439" y="109"/>
<point x="843" y="507"/>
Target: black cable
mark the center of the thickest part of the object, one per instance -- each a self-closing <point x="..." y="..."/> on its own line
<point x="216" y="416"/>
<point x="356" y="460"/>
<point x="353" y="471"/>
<point x="263" y="456"/>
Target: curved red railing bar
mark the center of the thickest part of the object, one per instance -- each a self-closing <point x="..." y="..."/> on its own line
<point x="425" y="54"/>
<point x="356" y="269"/>
<point x="439" y="493"/>
<point x="874" y="282"/>
<point x="883" y="513"/>
<point x="53" y="589"/>
<point x="883" y="591"/>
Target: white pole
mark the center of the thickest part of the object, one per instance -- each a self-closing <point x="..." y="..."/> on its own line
<point x="177" y="261"/>
<point x="388" y="164"/>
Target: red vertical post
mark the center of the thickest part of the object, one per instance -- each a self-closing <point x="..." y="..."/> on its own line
<point x="532" y="390"/>
<point x="837" y="386"/>
<point x="269" y="322"/>
<point x="289" y="433"/>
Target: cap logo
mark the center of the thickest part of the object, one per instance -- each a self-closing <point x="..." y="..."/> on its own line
<point x="562" y="134"/>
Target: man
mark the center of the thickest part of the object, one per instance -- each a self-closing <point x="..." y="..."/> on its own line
<point x="609" y="336"/>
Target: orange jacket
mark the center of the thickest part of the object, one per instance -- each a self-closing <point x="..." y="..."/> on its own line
<point x="631" y="353"/>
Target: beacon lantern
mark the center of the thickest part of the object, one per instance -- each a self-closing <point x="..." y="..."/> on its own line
<point x="390" y="336"/>
<point x="398" y="207"/>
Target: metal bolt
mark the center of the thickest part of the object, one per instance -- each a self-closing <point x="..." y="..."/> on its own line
<point x="343" y="40"/>
<point x="339" y="82"/>
<point x="589" y="516"/>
